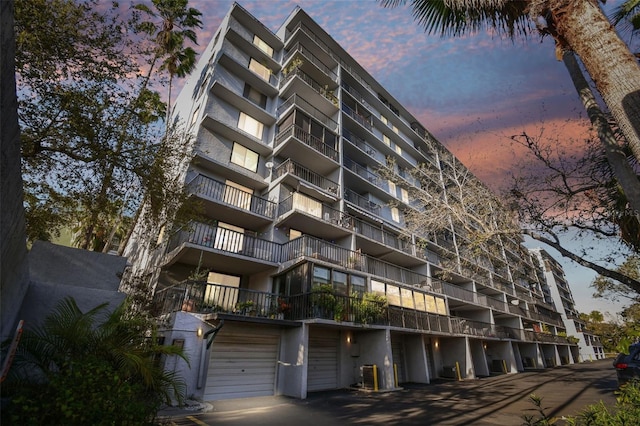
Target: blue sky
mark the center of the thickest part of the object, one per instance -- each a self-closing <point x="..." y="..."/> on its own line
<point x="472" y="92"/>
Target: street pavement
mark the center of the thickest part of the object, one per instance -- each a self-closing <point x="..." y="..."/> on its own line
<point x="499" y="400"/>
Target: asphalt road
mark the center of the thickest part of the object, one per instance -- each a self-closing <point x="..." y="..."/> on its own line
<point x="500" y="400"/>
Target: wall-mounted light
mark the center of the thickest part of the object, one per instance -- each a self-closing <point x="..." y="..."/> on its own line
<point x="199" y="332"/>
<point x="349" y="339"/>
<point x="436" y="344"/>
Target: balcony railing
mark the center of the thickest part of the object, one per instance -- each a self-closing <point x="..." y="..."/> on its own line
<point x="364" y="173"/>
<point x="226" y="240"/>
<point x="309" y="109"/>
<point x="362" y="202"/>
<point x="310" y="57"/>
<point x="211" y="188"/>
<point x="364" y="121"/>
<point x="327" y="214"/>
<point x="202" y="297"/>
<point x="295" y="169"/>
<point x="307" y="139"/>
<point x="320" y="89"/>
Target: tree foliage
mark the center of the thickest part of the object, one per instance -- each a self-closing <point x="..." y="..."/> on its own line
<point x="94" y="367"/>
<point x="557" y="192"/>
<point x="89" y="119"/>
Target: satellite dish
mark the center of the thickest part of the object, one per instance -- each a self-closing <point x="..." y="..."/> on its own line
<point x="269" y="164"/>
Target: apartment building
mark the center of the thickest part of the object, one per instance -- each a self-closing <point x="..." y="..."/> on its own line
<point x="556" y="287"/>
<point x="304" y="276"/>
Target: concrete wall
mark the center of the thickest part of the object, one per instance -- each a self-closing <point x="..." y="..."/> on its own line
<point x="14" y="273"/>
<point x="292" y="364"/>
<point x="194" y="372"/>
<point x="58" y="272"/>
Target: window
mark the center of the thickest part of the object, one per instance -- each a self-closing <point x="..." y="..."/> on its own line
<point x="262" y="45"/>
<point x="244" y="157"/>
<point x="160" y="239"/>
<point x="306" y="204"/>
<point x="255" y="96"/>
<point x="404" y="195"/>
<point x="194" y="117"/>
<point x="386" y="140"/>
<point x="407" y="298"/>
<point x="358" y="284"/>
<point x="250" y="125"/>
<point x="261" y="70"/>
<point x="225" y="297"/>
<point x="340" y="283"/>
<point x="237" y="195"/>
<point x="395" y="129"/>
<point x="229" y="238"/>
<point x="294" y="233"/>
<point x="398" y="149"/>
<point x="320" y="276"/>
<point x="384" y="119"/>
<point x="395" y="214"/>
<point x="392" y="188"/>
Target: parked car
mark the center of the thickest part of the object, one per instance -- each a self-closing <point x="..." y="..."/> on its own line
<point x="628" y="366"/>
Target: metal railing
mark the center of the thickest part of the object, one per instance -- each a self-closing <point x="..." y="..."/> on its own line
<point x="328" y="214"/>
<point x="360" y="201"/>
<point x="300" y="102"/>
<point x="202" y="297"/>
<point x="211" y="188"/>
<point x="308" y="139"/>
<point x="364" y="173"/>
<point x="317" y="87"/>
<point x="291" y="167"/>
<point x="306" y="53"/>
<point x="362" y="120"/>
<point x="226" y="240"/>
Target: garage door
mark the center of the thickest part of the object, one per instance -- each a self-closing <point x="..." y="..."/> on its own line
<point x="242" y="364"/>
<point x="322" y="373"/>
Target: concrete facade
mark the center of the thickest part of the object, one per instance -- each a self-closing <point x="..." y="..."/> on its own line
<point x="14" y="277"/>
<point x="590" y="347"/>
<point x="310" y="263"/>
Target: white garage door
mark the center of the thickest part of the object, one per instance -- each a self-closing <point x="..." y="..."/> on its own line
<point x="322" y="373"/>
<point x="242" y="364"/>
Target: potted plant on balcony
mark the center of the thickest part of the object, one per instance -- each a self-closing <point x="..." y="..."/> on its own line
<point x="323" y="301"/>
<point x="372" y="308"/>
<point x="283" y="308"/>
<point x="245" y="308"/>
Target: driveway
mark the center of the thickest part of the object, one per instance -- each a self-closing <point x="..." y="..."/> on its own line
<point x="498" y="400"/>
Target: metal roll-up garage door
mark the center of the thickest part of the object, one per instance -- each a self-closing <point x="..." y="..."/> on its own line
<point x="322" y="373"/>
<point x="243" y="363"/>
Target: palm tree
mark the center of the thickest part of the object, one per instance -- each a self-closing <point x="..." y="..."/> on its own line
<point x="576" y="25"/>
<point x="176" y="25"/>
<point x="627" y="14"/>
<point x="74" y="369"/>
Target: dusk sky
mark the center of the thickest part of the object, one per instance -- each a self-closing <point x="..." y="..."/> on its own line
<point x="472" y="93"/>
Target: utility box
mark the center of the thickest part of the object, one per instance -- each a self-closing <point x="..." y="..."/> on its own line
<point x="449" y="372"/>
<point x="370" y="377"/>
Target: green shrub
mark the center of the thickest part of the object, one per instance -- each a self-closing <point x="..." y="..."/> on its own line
<point x="73" y="370"/>
<point x="626" y="411"/>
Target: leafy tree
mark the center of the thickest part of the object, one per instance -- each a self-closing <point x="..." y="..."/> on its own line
<point x="76" y="369"/>
<point x="557" y="192"/>
<point x="575" y="25"/>
<point x="88" y="119"/>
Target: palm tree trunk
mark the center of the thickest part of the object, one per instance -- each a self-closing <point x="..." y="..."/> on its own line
<point x="621" y="168"/>
<point x="607" y="59"/>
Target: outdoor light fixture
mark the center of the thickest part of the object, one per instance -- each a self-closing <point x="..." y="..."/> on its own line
<point x="349" y="339"/>
<point x="436" y="344"/>
<point x="515" y="302"/>
<point x="199" y="331"/>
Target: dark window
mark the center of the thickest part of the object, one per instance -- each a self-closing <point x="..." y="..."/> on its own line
<point x="255" y="96"/>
